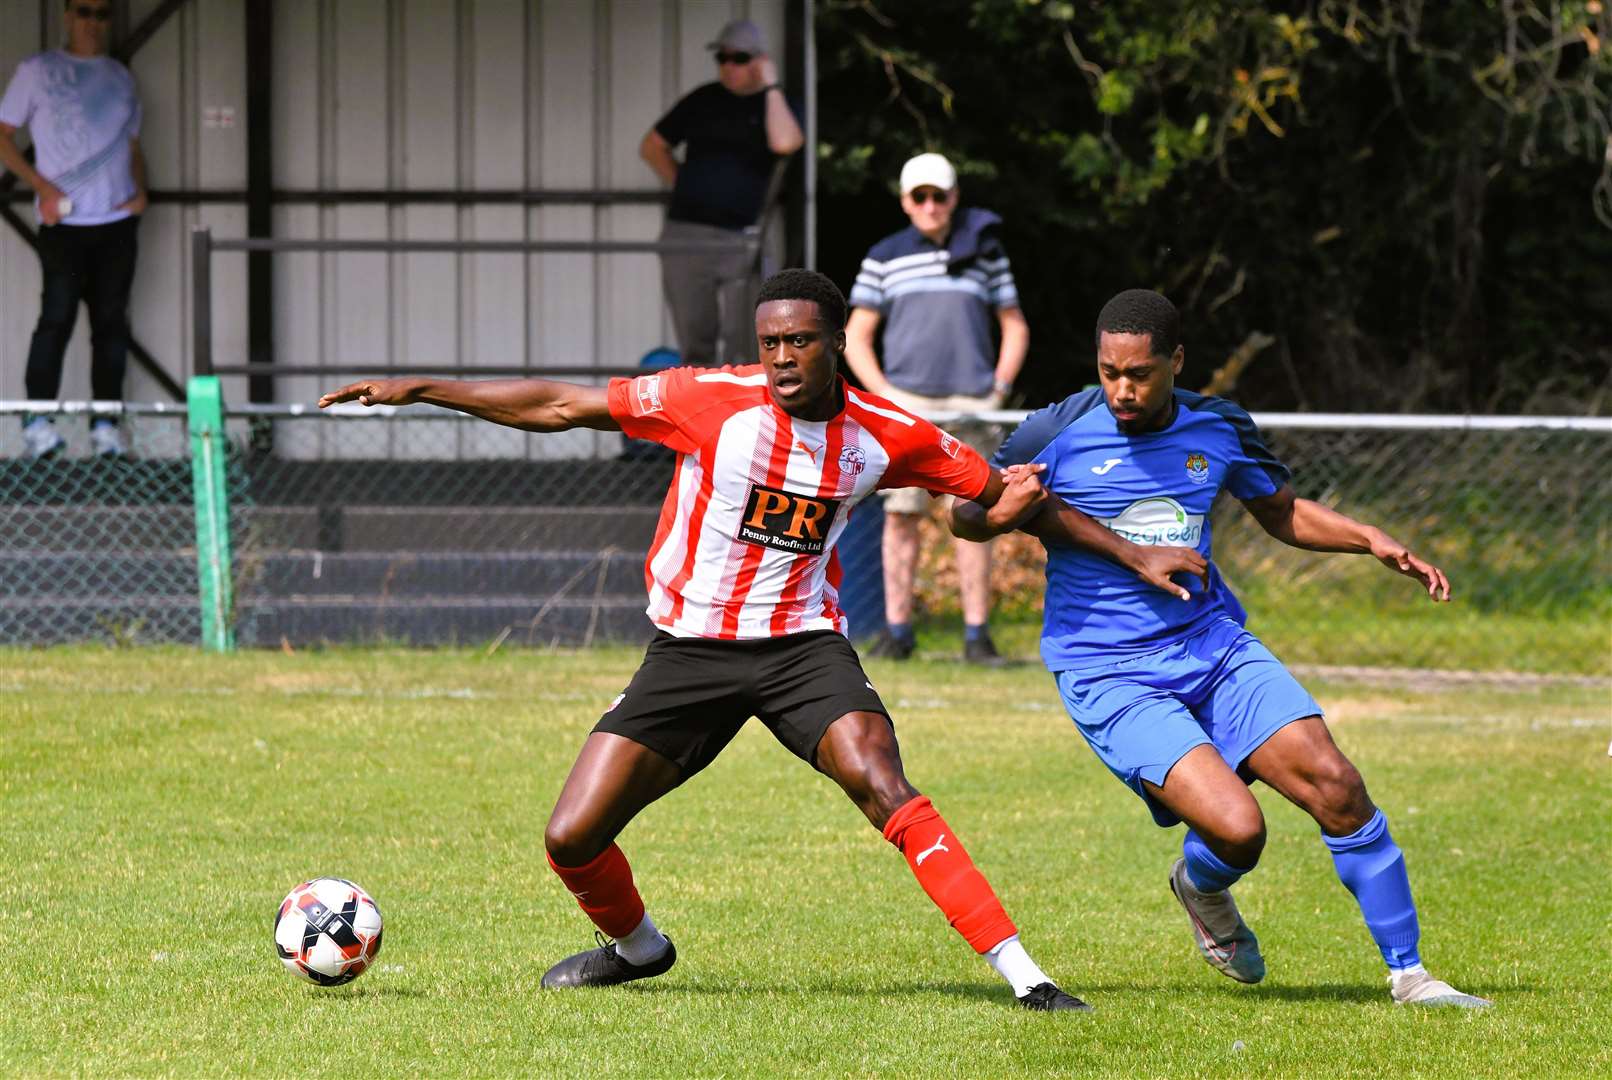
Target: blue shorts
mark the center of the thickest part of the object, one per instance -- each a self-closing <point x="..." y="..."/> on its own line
<point x="1141" y="714"/>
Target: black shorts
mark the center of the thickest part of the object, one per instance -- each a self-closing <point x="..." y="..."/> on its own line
<point x="691" y="696"/>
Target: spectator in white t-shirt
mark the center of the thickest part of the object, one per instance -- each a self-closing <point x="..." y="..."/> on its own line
<point x="83" y="114"/>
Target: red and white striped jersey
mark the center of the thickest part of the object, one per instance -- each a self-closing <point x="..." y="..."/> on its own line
<point x="745" y="543"/>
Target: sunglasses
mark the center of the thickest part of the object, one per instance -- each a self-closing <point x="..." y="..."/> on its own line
<point x="733" y="57"/>
<point x="102" y="14"/>
<point x="934" y="195"/>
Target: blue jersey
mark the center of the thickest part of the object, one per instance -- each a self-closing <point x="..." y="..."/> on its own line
<point x="1155" y="488"/>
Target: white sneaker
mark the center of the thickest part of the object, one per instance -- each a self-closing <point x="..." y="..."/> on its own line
<point x="1419" y="988"/>
<point x="108" y="441"/>
<point x="39" y="435"/>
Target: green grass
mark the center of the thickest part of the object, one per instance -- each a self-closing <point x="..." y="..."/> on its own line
<point x="155" y="805"/>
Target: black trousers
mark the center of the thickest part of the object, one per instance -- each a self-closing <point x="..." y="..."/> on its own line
<point x="93" y="263"/>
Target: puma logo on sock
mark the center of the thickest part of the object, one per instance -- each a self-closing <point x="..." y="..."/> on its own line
<point x="939" y="845"/>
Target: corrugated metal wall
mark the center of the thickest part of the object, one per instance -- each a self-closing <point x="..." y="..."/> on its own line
<point x="397" y="94"/>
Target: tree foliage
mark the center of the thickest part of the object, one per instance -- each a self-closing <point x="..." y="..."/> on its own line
<point x="1412" y="200"/>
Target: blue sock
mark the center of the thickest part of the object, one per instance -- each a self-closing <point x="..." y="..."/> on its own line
<point x="1372" y="867"/>
<point x="899" y="630"/>
<point x="973" y="633"/>
<point x="1208" y="871"/>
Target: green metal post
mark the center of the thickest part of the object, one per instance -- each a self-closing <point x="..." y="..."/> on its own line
<point x="208" y="449"/>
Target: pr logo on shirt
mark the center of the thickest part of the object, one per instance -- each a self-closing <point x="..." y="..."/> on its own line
<point x="646" y="395"/>
<point x="787" y="521"/>
<point x="1198" y="468"/>
<point x="948" y="444"/>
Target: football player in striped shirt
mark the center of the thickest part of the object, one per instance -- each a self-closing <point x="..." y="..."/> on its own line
<point x="742" y="580"/>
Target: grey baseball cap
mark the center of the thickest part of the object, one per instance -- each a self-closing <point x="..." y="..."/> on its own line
<point x="740" y="35"/>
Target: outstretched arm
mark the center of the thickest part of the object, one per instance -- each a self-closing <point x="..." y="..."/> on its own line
<point x="528" y="404"/>
<point x="1304" y="523"/>
<point x="1053" y="521"/>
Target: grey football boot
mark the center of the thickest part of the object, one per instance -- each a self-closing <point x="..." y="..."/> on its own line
<point x="1226" y="942"/>
<point x="1420" y="988"/>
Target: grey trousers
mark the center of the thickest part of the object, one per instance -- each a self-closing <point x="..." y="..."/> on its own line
<point x="712" y="297"/>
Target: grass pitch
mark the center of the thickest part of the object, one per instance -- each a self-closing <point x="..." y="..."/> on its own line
<point x="155" y="805"/>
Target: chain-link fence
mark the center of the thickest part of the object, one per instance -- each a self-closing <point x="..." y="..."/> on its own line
<point x="1520" y="520"/>
<point x="423" y="526"/>
<point x="426" y="527"/>
<point x="98" y="549"/>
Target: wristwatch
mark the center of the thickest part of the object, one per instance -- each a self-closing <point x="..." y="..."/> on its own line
<point x="773" y="86"/>
<point x="1001" y="387"/>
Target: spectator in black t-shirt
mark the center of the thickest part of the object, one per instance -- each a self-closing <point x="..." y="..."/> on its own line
<point x="734" y="131"/>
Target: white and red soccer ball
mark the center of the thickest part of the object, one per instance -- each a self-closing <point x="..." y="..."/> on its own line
<point x="328" y="931"/>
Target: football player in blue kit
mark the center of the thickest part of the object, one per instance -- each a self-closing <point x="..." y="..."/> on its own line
<point x="1183" y="704"/>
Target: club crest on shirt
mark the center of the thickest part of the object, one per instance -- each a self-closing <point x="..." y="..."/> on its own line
<point x="646" y="395"/>
<point x="1198" y="468"/>
<point x="787" y="520"/>
<point x="853" y="461"/>
<point x="948" y="444"/>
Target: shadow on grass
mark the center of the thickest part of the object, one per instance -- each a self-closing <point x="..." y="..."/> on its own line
<point x="1004" y="663"/>
<point x="382" y="990"/>
<point x="993" y="992"/>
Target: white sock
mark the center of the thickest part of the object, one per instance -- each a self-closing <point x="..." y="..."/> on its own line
<point x="1014" y="964"/>
<point x="1414" y="969"/>
<point x="644" y="945"/>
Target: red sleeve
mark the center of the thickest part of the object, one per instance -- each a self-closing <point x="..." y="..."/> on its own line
<point x="927" y="457"/>
<point x="657" y="407"/>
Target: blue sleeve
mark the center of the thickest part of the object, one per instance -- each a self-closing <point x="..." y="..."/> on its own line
<point x="1041" y="427"/>
<point x="1254" y="471"/>
<point x="17" y="105"/>
<point x="1004" y="292"/>
<point x="868" y="290"/>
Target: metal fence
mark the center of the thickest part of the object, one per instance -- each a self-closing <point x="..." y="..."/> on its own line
<point x="423" y="526"/>
<point x="97" y="550"/>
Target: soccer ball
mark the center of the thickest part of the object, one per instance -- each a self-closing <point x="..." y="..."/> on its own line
<point x="328" y="931"/>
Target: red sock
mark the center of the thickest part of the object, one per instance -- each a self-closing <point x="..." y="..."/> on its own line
<point x="605" y="891"/>
<point x="948" y="875"/>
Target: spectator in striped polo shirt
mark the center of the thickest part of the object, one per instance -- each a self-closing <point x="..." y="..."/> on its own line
<point x="936" y="287"/>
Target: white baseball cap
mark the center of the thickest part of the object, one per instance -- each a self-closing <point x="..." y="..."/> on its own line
<point x="928" y="170"/>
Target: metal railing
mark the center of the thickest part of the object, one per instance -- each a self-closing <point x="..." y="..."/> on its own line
<point x="423" y="525"/>
<point x="203" y="245"/>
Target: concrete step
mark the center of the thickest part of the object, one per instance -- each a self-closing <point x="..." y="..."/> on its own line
<point x="472" y="621"/>
<point x="300" y="621"/>
<point x="143" y="620"/>
<point x="172" y="528"/>
<point x="495" y="528"/>
<point x="109" y="575"/>
<point x="125" y="574"/>
<point x="485" y="574"/>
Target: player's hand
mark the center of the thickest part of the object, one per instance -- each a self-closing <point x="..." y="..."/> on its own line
<point x="1022" y="494"/>
<point x="50" y="198"/>
<point x="138" y="204"/>
<point x="374" y="392"/>
<point x="1398" y="558"/>
<point x="766" y="69"/>
<point x="1156" y="566"/>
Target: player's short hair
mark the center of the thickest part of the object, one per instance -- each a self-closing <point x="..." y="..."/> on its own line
<point x="799" y="284"/>
<point x="1142" y="311"/>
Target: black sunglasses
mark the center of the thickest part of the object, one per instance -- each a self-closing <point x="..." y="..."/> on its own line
<point x="923" y="195"/>
<point x="733" y="57"/>
<point x="99" y="14"/>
